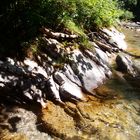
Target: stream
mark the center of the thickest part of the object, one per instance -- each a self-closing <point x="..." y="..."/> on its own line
<point x="115" y="116"/>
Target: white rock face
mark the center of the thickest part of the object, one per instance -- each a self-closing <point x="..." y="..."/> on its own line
<point x="90" y="74"/>
<point x="54" y="88"/>
<point x="102" y="56"/>
<point x="68" y="89"/>
<point x="116" y="38"/>
<point x="33" y="67"/>
<point x="85" y="71"/>
<point x="69" y="73"/>
<point x="11" y="61"/>
<point x="30" y="63"/>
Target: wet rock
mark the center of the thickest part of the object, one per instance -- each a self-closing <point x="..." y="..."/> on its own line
<point x="58" y="122"/>
<point x="126" y="64"/>
<point x="134" y="78"/>
<point x="23" y="124"/>
<point x="94" y="119"/>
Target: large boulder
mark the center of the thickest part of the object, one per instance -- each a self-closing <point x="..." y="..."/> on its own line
<point x="90" y="73"/>
<point x="124" y="63"/>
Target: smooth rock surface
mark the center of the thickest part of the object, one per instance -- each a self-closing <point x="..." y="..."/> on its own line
<point x="124" y="63"/>
<point x="90" y="74"/>
<point x="102" y="56"/>
<point x="116" y="38"/>
<point x="68" y="89"/>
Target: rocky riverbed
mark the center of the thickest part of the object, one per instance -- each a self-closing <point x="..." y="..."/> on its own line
<point x="83" y="107"/>
<point x="116" y="116"/>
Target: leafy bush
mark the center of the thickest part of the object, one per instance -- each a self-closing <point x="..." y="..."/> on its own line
<point x="83" y="13"/>
<point x="131" y="9"/>
<point x="128" y="4"/>
<point x="20" y="19"/>
<point x="127" y="15"/>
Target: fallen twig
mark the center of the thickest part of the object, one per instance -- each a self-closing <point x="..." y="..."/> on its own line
<point x="57" y="35"/>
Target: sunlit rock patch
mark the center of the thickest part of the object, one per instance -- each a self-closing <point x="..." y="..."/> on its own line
<point x="59" y="72"/>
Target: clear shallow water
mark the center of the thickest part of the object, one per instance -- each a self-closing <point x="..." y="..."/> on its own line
<point x="114" y="117"/>
<point x="133" y="40"/>
<point x="127" y="95"/>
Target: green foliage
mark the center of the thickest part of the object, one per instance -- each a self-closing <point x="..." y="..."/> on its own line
<point x="128" y="4"/>
<point x="73" y="27"/>
<point x="83" y="13"/>
<point x="127" y="15"/>
<point x="130" y="7"/>
<point x="84" y="42"/>
<point x="21" y="19"/>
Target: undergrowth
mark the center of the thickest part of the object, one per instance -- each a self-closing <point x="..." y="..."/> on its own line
<point x="20" y="20"/>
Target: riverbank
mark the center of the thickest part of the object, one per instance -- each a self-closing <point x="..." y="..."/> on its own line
<point x="115" y="117"/>
<point x="107" y="117"/>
